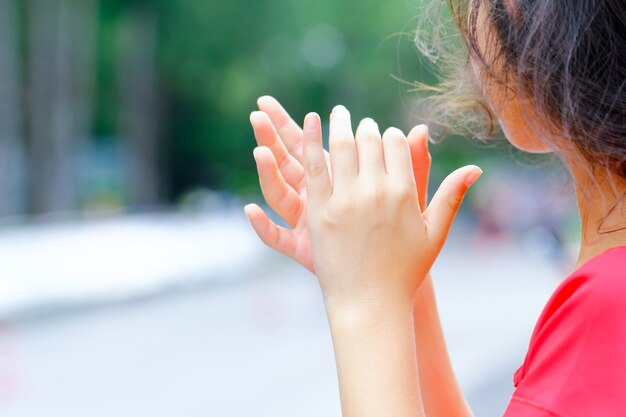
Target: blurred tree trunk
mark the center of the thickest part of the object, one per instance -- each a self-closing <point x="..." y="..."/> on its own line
<point x="139" y="103"/>
<point x="60" y="76"/>
<point x="12" y="170"/>
<point x="84" y="38"/>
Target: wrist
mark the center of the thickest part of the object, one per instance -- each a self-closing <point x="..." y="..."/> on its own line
<point x="368" y="313"/>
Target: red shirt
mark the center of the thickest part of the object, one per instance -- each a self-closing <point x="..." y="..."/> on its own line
<point x="576" y="362"/>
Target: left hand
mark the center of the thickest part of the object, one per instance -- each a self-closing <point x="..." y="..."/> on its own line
<point x="371" y="242"/>
<point x="281" y="176"/>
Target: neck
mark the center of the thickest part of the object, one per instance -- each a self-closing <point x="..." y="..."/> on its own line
<point x="602" y="212"/>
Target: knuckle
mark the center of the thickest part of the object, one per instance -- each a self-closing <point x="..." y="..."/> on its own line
<point x="402" y="192"/>
<point x="283" y="163"/>
<point x="316" y="169"/>
<point x="454" y="202"/>
<point x="270" y="176"/>
<point x="339" y="207"/>
<point x="327" y="221"/>
<point x="374" y="195"/>
<point x="368" y="136"/>
<point x="266" y="241"/>
<point x="299" y="180"/>
<point x="342" y="144"/>
<point x="335" y="212"/>
<point x="282" y="195"/>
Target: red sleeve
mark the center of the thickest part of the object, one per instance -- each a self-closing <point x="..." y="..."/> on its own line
<point x="576" y="361"/>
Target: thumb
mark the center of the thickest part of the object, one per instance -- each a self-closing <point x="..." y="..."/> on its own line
<point x="447" y="201"/>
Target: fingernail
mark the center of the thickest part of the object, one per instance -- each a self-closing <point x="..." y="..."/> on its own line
<point x="256" y="152"/>
<point x="254" y="115"/>
<point x="247" y="208"/>
<point x="471" y="178"/>
<point x="264" y="100"/>
<point x="311" y="122"/>
<point x="339" y="108"/>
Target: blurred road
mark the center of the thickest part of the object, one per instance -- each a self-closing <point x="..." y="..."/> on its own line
<point x="56" y="266"/>
<point x="258" y="346"/>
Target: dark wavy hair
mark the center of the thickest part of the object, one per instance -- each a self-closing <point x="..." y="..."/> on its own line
<point x="566" y="58"/>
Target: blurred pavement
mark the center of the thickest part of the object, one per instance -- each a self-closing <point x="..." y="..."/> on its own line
<point x="256" y="344"/>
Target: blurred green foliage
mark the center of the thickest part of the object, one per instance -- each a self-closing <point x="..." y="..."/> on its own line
<point x="216" y="57"/>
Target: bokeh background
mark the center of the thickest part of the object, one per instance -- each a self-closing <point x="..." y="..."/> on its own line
<point x="130" y="281"/>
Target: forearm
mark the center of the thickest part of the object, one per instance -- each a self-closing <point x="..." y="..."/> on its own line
<point x="376" y="362"/>
<point x="440" y="390"/>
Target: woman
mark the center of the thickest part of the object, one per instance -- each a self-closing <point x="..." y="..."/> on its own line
<point x="553" y="74"/>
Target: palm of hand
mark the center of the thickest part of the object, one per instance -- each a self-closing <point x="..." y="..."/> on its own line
<point x="281" y="176"/>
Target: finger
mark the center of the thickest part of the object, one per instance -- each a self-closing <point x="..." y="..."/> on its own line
<point x="421" y="161"/>
<point x="283" y="199"/>
<point x="447" y="201"/>
<point x="342" y="148"/>
<point x="276" y="237"/>
<point x="397" y="157"/>
<point x="369" y="148"/>
<point x="266" y="135"/>
<point x="288" y="130"/>
<point x="315" y="168"/>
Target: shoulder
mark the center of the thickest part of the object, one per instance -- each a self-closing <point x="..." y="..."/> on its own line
<point x="608" y="269"/>
<point x="591" y="300"/>
<point x="578" y="343"/>
<point x="597" y="287"/>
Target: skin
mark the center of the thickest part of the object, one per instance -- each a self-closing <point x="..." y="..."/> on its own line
<point x="368" y="233"/>
<point x="597" y="191"/>
<point x="355" y="324"/>
<point x="412" y="327"/>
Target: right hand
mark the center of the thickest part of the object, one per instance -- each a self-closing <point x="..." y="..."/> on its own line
<point x="281" y="176"/>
